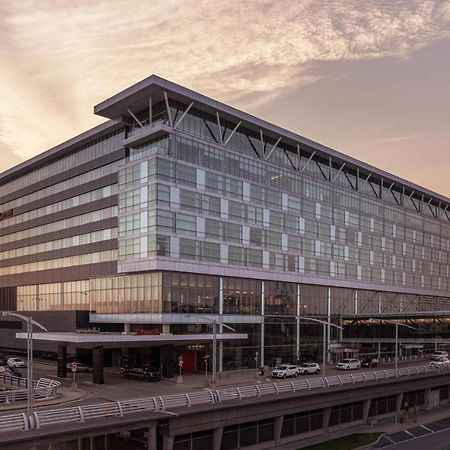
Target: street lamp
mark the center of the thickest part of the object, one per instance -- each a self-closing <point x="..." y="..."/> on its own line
<point x="214" y="355"/>
<point x="324" y="344"/>
<point x="396" y="334"/>
<point x="30" y="322"/>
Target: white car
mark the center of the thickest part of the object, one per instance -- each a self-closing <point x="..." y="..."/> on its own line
<point x="439" y="355"/>
<point x="349" y="363"/>
<point x="16" y="362"/>
<point x="307" y="368"/>
<point x="443" y="362"/>
<point x="284" y="371"/>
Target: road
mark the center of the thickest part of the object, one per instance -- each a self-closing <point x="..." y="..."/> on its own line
<point x="435" y="441"/>
<point x="117" y="388"/>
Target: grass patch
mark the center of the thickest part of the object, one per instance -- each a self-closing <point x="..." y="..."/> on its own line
<point x="347" y="442"/>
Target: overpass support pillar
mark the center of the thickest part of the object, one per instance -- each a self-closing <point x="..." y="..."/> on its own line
<point x="326" y="419"/>
<point x="366" y="408"/>
<point x="217" y="438"/>
<point x="61" y="362"/>
<point x="427" y="399"/>
<point x="277" y="430"/>
<point x="168" y="442"/>
<point x="151" y="438"/>
<point x="97" y="360"/>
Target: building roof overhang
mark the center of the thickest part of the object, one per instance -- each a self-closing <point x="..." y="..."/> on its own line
<point x="89" y="340"/>
<point x="136" y="98"/>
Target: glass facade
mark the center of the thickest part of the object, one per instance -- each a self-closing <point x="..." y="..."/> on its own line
<point x="196" y="201"/>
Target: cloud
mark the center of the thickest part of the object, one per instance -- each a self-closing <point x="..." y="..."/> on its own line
<point x="394" y="139"/>
<point x="59" y="58"/>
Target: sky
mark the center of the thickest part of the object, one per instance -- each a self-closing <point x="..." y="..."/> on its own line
<point x="368" y="78"/>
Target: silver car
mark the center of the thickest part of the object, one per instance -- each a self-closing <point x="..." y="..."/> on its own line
<point x="308" y="368"/>
<point x="349" y="363"/>
<point x="285" y="371"/>
<point x="16" y="362"/>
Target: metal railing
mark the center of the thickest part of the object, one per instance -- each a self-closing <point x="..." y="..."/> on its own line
<point x="44" y="388"/>
<point x="83" y="413"/>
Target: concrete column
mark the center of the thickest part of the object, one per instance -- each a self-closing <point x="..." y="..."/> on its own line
<point x="125" y="357"/>
<point x="168" y="442"/>
<point x="61" y="363"/>
<point x="217" y="438"/>
<point x="366" y="408"/>
<point x="167" y="359"/>
<point x="97" y="362"/>
<point x="398" y="405"/>
<point x="326" y="418"/>
<point x="427" y="399"/>
<point x="127" y="327"/>
<point x="278" y="425"/>
<point x="151" y="438"/>
<point x="166" y="328"/>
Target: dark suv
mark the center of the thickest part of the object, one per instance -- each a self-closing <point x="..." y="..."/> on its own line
<point x="144" y="373"/>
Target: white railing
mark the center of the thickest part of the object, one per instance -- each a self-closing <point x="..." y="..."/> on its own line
<point x="73" y="414"/>
<point x="44" y="388"/>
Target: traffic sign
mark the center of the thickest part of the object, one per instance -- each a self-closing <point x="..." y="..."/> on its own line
<point x="74" y="367"/>
<point x="180" y="361"/>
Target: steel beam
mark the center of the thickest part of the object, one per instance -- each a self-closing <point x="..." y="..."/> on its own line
<point x="231" y="134"/>
<point x="338" y="172"/>
<point x="135" y="118"/>
<point x="309" y="160"/>
<point x="183" y="115"/>
<point x="219" y="127"/>
<point x="272" y="149"/>
<point x="169" y="113"/>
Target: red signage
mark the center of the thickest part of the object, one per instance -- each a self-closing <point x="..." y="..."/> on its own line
<point x="5" y="214"/>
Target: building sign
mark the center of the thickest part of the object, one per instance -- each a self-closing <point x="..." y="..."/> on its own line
<point x="6" y="214"/>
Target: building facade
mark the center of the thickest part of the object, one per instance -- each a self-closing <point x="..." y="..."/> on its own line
<point x="180" y="210"/>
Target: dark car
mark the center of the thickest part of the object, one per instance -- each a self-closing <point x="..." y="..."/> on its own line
<point x="370" y="362"/>
<point x="3" y="360"/>
<point x="144" y="373"/>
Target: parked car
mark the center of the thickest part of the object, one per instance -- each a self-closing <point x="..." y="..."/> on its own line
<point x="370" y="362"/>
<point x="444" y="362"/>
<point x="3" y="360"/>
<point x="144" y="373"/>
<point x="349" y="363"/>
<point x="16" y="362"/>
<point x="307" y="368"/>
<point x="284" y="371"/>
<point x="80" y="367"/>
<point x="439" y="355"/>
<point x="10" y="371"/>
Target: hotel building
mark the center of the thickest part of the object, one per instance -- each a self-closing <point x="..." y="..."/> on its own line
<point x="180" y="210"/>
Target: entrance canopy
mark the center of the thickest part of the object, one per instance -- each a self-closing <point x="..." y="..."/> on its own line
<point x="122" y="340"/>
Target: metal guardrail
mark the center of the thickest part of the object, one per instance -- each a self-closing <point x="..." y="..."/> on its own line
<point x="44" y="388"/>
<point x="83" y="413"/>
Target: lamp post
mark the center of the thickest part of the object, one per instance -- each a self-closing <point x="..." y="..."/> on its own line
<point x="324" y="323"/>
<point x="394" y="322"/>
<point x="30" y="322"/>
<point x="214" y="355"/>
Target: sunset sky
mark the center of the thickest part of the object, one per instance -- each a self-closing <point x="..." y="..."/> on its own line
<point x="368" y="78"/>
